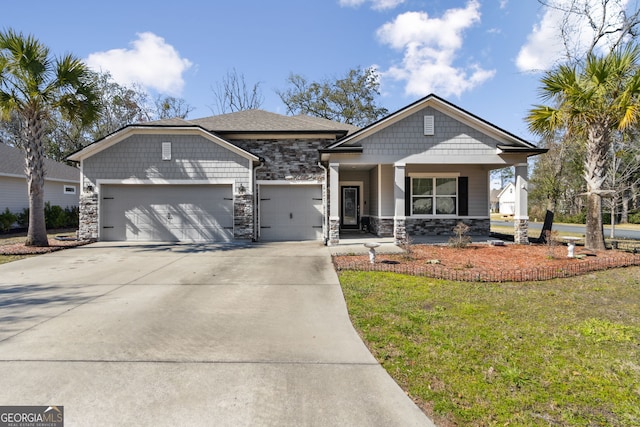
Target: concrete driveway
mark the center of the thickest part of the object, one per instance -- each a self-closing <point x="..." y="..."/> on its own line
<point x="224" y="335"/>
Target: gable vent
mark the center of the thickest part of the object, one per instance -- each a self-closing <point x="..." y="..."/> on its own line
<point x="166" y="151"/>
<point x="429" y="128"/>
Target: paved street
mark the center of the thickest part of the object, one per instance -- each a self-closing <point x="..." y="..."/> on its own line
<point x="225" y="335"/>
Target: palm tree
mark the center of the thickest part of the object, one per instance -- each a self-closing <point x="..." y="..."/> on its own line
<point x="33" y="85"/>
<point x="591" y="101"/>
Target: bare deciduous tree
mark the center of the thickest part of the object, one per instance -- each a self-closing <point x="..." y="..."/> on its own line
<point x="609" y="25"/>
<point x="234" y="94"/>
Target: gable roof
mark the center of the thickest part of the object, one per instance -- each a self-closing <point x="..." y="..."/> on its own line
<point x="12" y="164"/>
<point x="509" y="142"/>
<point x="127" y="131"/>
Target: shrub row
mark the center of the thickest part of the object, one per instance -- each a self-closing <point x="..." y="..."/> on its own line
<point x="54" y="217"/>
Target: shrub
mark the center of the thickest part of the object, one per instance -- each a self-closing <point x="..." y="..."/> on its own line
<point x="460" y="240"/>
<point x="54" y="216"/>
<point x="73" y="216"/>
<point x="579" y="218"/>
<point x="7" y="219"/>
<point x="23" y="218"/>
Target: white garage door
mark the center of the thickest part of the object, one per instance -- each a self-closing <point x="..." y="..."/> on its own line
<point x="174" y="213"/>
<point x="291" y="212"/>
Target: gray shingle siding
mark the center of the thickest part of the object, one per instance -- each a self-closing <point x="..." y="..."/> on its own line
<point x="192" y="158"/>
<point x="452" y="139"/>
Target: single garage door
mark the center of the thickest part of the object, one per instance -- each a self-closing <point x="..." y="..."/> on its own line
<point x="291" y="212"/>
<point x="174" y="213"/>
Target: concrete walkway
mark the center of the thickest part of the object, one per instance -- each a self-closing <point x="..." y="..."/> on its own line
<point x="225" y="335"/>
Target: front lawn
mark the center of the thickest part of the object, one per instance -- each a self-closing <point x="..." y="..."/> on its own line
<point x="563" y="352"/>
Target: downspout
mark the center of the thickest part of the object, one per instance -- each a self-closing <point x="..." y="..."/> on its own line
<point x="256" y="223"/>
<point x="325" y="205"/>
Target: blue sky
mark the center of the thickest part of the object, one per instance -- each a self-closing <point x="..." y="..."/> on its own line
<point x="478" y="54"/>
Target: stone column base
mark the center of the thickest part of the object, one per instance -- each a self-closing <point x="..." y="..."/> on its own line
<point x="334" y="231"/>
<point x="521" y="231"/>
<point x="399" y="231"/>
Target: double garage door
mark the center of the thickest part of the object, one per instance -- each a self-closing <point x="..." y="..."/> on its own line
<point x="172" y="213"/>
<point x="204" y="213"/>
<point x="291" y="212"/>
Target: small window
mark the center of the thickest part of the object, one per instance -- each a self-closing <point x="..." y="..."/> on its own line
<point x="69" y="189"/>
<point x="166" y="151"/>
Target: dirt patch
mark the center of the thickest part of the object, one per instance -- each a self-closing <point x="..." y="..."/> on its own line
<point x="482" y="262"/>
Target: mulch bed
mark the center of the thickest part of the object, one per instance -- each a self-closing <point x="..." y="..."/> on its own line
<point x="486" y="263"/>
<point x="54" y="245"/>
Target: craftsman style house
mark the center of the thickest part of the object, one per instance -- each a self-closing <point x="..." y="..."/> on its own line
<point x="263" y="176"/>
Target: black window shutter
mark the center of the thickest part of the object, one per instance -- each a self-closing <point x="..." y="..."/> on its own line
<point x="463" y="196"/>
<point x="407" y="196"/>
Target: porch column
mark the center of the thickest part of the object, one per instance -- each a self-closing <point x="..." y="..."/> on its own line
<point x="334" y="205"/>
<point x="521" y="213"/>
<point x="399" y="218"/>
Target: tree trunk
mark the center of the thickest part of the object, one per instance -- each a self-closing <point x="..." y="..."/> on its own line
<point x="35" y="171"/>
<point x="594" y="173"/>
<point x="594" y="232"/>
<point x="614" y="204"/>
<point x="624" y="214"/>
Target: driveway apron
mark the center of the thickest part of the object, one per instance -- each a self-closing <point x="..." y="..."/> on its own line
<point x="224" y="335"/>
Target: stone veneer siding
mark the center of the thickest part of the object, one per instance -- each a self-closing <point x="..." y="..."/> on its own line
<point x="381" y="227"/>
<point x="291" y="159"/>
<point x="384" y="227"/>
<point x="521" y="231"/>
<point x="444" y="226"/>
<point x="243" y="217"/>
<point x="334" y="231"/>
<point x="88" y="215"/>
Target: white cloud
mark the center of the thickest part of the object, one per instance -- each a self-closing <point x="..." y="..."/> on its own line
<point x="150" y="62"/>
<point x="430" y="46"/>
<point x="375" y="4"/>
<point x="544" y="46"/>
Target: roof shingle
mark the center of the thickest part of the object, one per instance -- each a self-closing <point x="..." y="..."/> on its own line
<point x="12" y="163"/>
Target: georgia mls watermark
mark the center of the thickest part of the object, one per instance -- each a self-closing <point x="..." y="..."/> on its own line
<point x="31" y="416"/>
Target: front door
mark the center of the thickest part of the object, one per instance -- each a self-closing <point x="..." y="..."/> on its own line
<point x="350" y="207"/>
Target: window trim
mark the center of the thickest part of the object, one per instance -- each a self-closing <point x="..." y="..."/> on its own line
<point x="434" y="176"/>
<point x="69" y="189"/>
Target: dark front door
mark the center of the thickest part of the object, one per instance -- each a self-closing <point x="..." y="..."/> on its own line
<point x="350" y="207"/>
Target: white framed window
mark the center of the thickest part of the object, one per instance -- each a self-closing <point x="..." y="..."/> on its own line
<point x="69" y="189"/>
<point x="434" y="195"/>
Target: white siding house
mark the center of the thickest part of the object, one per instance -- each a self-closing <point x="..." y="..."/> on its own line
<point x="61" y="188"/>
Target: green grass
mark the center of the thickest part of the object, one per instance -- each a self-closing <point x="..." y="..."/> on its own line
<point x="563" y="352"/>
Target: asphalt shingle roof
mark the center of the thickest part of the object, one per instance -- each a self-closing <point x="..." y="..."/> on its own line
<point x="260" y="121"/>
<point x="12" y="163"/>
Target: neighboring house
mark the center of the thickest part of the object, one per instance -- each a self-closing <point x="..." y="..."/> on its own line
<point x="493" y="199"/>
<point x="263" y="176"/>
<point x="61" y="182"/>
<point x="507" y="199"/>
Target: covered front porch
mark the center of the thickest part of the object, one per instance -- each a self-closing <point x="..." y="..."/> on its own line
<point x="401" y="202"/>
